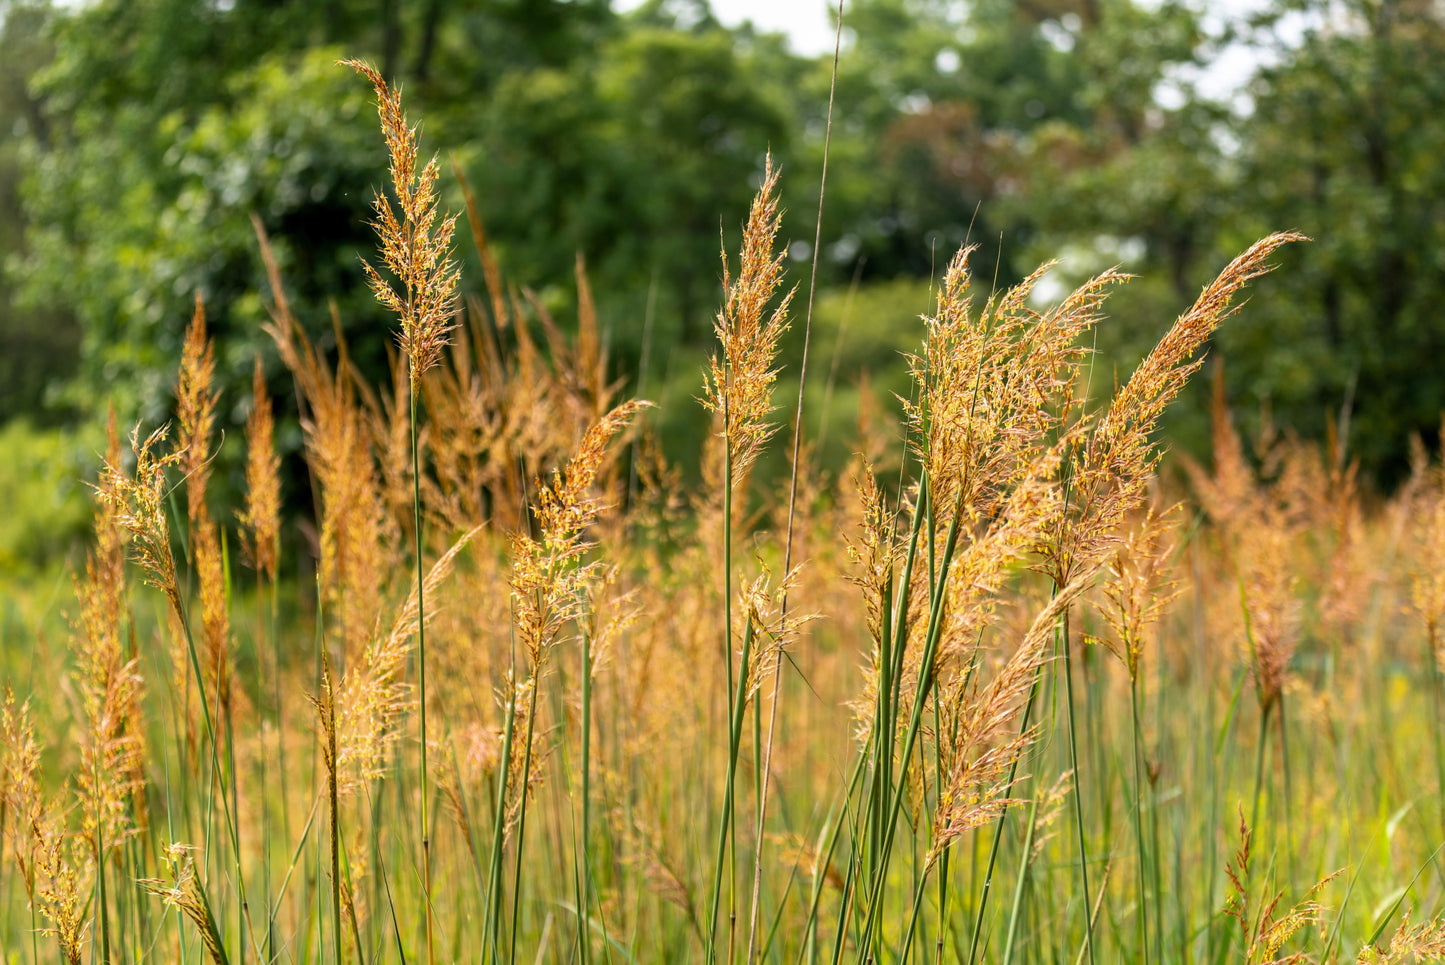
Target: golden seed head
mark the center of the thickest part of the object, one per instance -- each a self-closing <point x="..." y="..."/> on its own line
<point x="139" y="504"/>
<point x="196" y="411"/>
<point x="739" y="382"/>
<point x="261" y="516"/>
<point x="414" y="247"/>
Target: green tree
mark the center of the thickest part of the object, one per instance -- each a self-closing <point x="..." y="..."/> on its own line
<point x="37" y="345"/>
<point x="635" y="158"/>
<point x="1344" y="143"/>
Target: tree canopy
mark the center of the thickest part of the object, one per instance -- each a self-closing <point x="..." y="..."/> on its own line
<point x="139" y="137"/>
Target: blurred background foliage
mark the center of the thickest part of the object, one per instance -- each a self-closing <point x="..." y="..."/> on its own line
<point x="139" y="137"/>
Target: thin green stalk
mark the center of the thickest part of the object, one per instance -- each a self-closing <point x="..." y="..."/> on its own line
<point x="421" y="669"/>
<point x="1024" y="861"/>
<point x="767" y="757"/>
<point x="1156" y="854"/>
<point x="329" y="696"/>
<point x="820" y="876"/>
<point x="215" y="755"/>
<point x="1259" y="767"/>
<point x="920" y="889"/>
<point x="522" y="818"/>
<point x="1220" y="743"/>
<point x="759" y="780"/>
<point x="735" y="728"/>
<point x="1078" y="798"/>
<point x="102" y="907"/>
<point x="1284" y="787"/>
<point x="998" y="828"/>
<point x="1138" y="819"/>
<point x="584" y="899"/>
<point x="265" y="807"/>
<point x="942" y="869"/>
<point x="892" y="639"/>
<point x="1432" y="671"/>
<point x="926" y="679"/>
<point x="494" y="874"/>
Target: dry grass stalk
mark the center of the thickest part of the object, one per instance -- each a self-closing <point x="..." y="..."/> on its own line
<point x="52" y="863"/>
<point x="987" y="740"/>
<point x="215" y="649"/>
<point x="739" y="385"/>
<point x="1424" y="942"/>
<point x="374" y="694"/>
<point x="20" y="789"/>
<point x="184" y="892"/>
<point x="138" y="504"/>
<point x="762" y="605"/>
<point x="1261" y="528"/>
<point x="196" y="417"/>
<point x="359" y="541"/>
<point x="415" y="248"/>
<point x="1139" y="587"/>
<point x="548" y="577"/>
<point x="1109" y="470"/>
<point x="108" y="682"/>
<point x="261" y="517"/>
<point x="1427" y="569"/>
<point x="196" y="413"/>
<point x="1266" y="929"/>
<point x="62" y="863"/>
<point x="992" y="387"/>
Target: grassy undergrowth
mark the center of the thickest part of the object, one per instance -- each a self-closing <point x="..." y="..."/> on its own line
<point x="998" y="694"/>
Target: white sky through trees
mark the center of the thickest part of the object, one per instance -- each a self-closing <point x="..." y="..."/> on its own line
<point x="809" y="26"/>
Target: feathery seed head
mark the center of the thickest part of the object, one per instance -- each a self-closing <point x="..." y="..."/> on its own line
<point x="1111" y="464"/>
<point x="139" y="504"/>
<point x="196" y="411"/>
<point x="549" y="581"/>
<point x="739" y="383"/>
<point x="1139" y="587"/>
<point x="185" y="893"/>
<point x="261" y="517"/>
<point x="414" y="247"/>
<point x="374" y="695"/>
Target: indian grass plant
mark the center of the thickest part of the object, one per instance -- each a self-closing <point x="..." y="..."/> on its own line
<point x="510" y="688"/>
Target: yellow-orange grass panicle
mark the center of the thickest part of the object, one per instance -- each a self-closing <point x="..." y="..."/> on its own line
<point x="215" y="651"/>
<point x="1111" y="467"/>
<point x="873" y="553"/>
<point x="549" y="578"/>
<point x="138" y="502"/>
<point x="986" y="421"/>
<point x="1412" y="943"/>
<point x="184" y="893"/>
<point x="1427" y="567"/>
<point x="415" y="248"/>
<point x="986" y="742"/>
<point x="108" y="683"/>
<point x="196" y="413"/>
<point x="359" y="542"/>
<point x="1256" y="908"/>
<point x="1139" y="587"/>
<point x="63" y="864"/>
<point x="20" y="788"/>
<point x="260" y="519"/>
<point x="739" y="384"/>
<point x="51" y="862"/>
<point x="992" y="387"/>
<point x="1260" y="529"/>
<point x="374" y="694"/>
<point x="774" y="628"/>
<point x="196" y="417"/>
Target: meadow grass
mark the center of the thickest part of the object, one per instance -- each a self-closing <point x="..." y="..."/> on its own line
<point x="1026" y="700"/>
